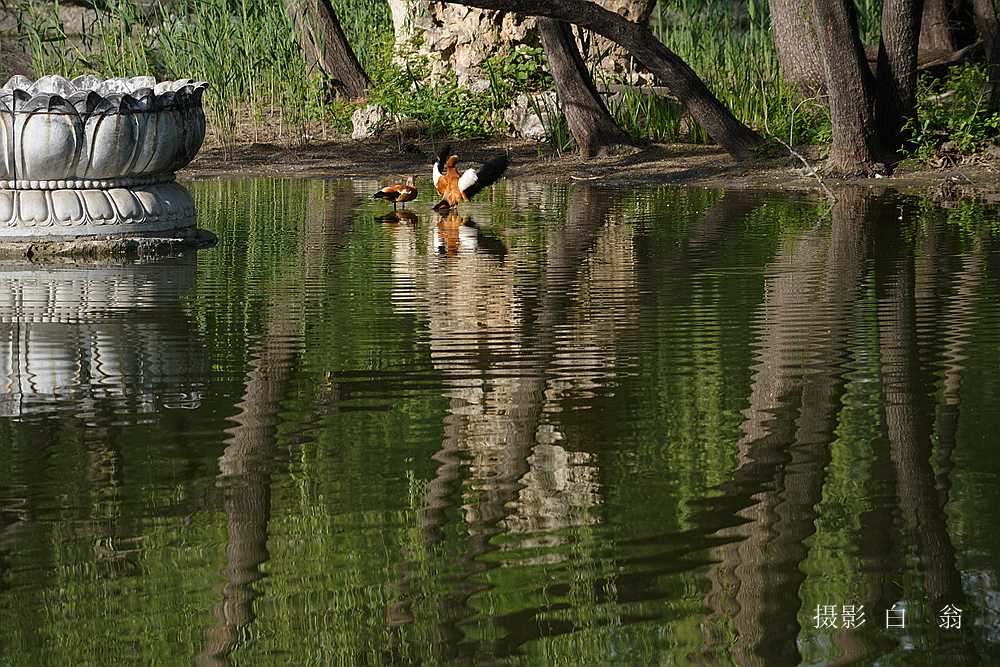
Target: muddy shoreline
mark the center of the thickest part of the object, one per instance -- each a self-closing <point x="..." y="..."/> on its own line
<point x="678" y="164"/>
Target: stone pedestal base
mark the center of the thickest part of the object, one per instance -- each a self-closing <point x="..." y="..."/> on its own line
<point x="61" y="215"/>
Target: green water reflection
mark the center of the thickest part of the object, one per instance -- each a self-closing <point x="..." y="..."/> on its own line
<point x="571" y="425"/>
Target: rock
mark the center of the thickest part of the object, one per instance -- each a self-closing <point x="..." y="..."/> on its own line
<point x="478" y="85"/>
<point x="534" y="116"/>
<point x="456" y="39"/>
<point x="13" y="62"/>
<point x="369" y="122"/>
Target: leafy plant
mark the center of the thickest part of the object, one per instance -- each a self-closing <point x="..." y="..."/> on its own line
<point x="523" y="68"/>
<point x="953" y="110"/>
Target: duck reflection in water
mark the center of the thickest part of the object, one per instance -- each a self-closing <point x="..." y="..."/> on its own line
<point x="399" y="217"/>
<point x="455" y="233"/>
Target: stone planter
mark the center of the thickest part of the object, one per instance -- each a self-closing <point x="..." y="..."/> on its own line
<point x="92" y="158"/>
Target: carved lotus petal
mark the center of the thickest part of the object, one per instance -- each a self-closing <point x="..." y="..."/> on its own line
<point x="53" y="84"/>
<point x="18" y="82"/>
<point x="6" y="136"/>
<point x="98" y="130"/>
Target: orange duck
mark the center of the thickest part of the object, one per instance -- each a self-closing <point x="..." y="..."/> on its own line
<point x="455" y="234"/>
<point x="454" y="187"/>
<point x="398" y="193"/>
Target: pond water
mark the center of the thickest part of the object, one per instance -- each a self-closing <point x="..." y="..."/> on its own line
<point x="571" y="425"/>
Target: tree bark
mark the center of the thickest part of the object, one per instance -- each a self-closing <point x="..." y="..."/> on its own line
<point x="896" y="71"/>
<point x="647" y="12"/>
<point x="587" y="117"/>
<point x="988" y="26"/>
<point x="849" y="83"/>
<point x="325" y="46"/>
<point x="935" y="27"/>
<point x="796" y="41"/>
<point x="732" y="135"/>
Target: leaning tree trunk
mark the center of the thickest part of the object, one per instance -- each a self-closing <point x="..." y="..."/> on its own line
<point x="325" y="46"/>
<point x="935" y="27"/>
<point x="796" y="41"/>
<point x="849" y="84"/>
<point x="988" y="26"/>
<point x="896" y="71"/>
<point x="587" y="117"/>
<point x="732" y="135"/>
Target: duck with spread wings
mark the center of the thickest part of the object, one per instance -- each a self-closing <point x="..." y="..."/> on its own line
<point x="454" y="187"/>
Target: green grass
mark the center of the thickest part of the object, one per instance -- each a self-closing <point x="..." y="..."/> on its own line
<point x="731" y="48"/>
<point x="244" y="49"/>
<point x="259" y="81"/>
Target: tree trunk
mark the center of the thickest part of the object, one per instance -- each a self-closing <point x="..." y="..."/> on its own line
<point x="593" y="128"/>
<point x="988" y="26"/>
<point x="732" y="135"/>
<point x="325" y="46"/>
<point x="798" y="51"/>
<point x="647" y="12"/>
<point x="849" y="82"/>
<point x="896" y="71"/>
<point x="935" y="27"/>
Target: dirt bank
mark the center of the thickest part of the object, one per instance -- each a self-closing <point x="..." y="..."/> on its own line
<point x="679" y="164"/>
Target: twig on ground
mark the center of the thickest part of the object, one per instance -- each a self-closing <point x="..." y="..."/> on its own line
<point x="811" y="170"/>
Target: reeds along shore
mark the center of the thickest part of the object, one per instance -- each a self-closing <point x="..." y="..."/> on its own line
<point x="261" y="88"/>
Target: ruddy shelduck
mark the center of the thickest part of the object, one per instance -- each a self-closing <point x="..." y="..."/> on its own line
<point x="398" y="193"/>
<point x="454" y="187"/>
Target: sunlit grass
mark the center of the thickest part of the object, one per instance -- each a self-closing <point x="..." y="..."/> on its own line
<point x="261" y="88"/>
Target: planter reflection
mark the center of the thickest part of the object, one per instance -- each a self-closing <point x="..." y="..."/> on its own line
<point x="78" y="337"/>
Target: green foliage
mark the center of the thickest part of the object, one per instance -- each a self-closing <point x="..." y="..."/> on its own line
<point x="731" y="48"/>
<point x="523" y="68"/>
<point x="245" y="49"/>
<point x="646" y="116"/>
<point x="368" y="27"/>
<point x="954" y="110"/>
<point x="444" y="106"/>
<point x="448" y="109"/>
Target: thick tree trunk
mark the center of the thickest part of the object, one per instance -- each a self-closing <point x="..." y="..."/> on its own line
<point x="985" y="16"/>
<point x="988" y="26"/>
<point x="849" y="83"/>
<point x="798" y="50"/>
<point x="935" y="27"/>
<point x="325" y="46"/>
<point x="593" y="128"/>
<point x="732" y="135"/>
<point x="896" y="71"/>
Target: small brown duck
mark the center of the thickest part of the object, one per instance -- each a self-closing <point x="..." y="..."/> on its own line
<point x="454" y="187"/>
<point x="398" y="193"/>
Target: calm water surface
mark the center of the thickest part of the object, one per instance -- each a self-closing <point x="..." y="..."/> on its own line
<point x="575" y="426"/>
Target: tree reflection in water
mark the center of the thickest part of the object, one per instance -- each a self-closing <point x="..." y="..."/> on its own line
<point x="569" y="424"/>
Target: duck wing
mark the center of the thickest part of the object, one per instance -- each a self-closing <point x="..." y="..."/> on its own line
<point x="390" y="192"/>
<point x="474" y="180"/>
<point x="439" y="165"/>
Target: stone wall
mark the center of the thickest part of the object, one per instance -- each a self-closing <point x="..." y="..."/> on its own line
<point x="458" y="38"/>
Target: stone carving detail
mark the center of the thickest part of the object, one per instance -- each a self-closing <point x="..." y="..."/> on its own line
<point x="60" y="213"/>
<point x="77" y="156"/>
